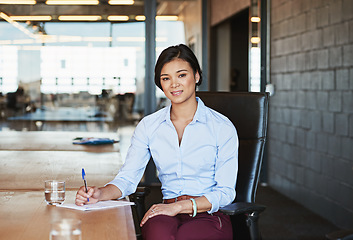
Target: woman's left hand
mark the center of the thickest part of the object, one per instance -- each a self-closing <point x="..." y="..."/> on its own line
<point x="160" y="209"/>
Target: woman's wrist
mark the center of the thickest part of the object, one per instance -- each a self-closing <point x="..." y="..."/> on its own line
<point x="187" y="206"/>
<point x="194" y="207"/>
<point x="109" y="192"/>
<point x="183" y="206"/>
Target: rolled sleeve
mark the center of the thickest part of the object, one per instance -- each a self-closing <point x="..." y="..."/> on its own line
<point x="126" y="186"/>
<point x="213" y="199"/>
<point x="220" y="199"/>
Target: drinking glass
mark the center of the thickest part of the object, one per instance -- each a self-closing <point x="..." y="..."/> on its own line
<point x="54" y="192"/>
<point x="66" y="229"/>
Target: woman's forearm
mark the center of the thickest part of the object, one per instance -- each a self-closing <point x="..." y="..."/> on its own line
<point x="202" y="204"/>
<point x="109" y="192"/>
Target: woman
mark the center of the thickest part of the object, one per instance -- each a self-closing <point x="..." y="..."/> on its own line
<point x="195" y="150"/>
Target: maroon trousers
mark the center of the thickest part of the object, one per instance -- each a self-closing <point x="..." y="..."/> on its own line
<point x="183" y="227"/>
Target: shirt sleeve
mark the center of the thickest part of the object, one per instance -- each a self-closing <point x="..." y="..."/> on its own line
<point x="136" y="160"/>
<point x="226" y="168"/>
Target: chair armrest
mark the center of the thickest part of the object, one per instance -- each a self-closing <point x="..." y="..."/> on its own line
<point x="242" y="208"/>
<point x="142" y="191"/>
<point x="139" y="209"/>
<point x="138" y="197"/>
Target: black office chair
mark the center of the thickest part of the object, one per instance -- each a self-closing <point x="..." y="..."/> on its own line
<point x="249" y="113"/>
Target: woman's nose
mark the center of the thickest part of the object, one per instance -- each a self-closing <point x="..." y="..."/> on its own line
<point x="175" y="82"/>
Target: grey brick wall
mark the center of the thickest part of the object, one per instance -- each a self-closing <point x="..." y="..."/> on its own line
<point x="311" y="114"/>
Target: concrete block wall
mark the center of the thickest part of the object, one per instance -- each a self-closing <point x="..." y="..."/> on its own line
<point x="311" y="113"/>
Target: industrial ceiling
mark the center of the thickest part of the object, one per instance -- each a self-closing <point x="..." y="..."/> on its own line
<point x="102" y="9"/>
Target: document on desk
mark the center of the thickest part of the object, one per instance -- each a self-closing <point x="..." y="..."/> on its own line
<point x="97" y="206"/>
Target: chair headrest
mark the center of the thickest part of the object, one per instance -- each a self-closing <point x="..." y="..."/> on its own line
<point x="236" y="105"/>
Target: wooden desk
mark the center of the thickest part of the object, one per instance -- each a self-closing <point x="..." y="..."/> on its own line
<point x="54" y="141"/>
<point x="27" y="170"/>
<point x="64" y="114"/>
<point x="26" y="216"/>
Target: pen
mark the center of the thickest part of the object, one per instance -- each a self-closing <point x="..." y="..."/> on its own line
<point x="84" y="181"/>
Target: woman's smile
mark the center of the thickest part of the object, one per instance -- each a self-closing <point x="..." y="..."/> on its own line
<point x="177" y="93"/>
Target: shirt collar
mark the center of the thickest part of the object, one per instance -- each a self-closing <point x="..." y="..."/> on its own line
<point x="200" y="114"/>
<point x="165" y="116"/>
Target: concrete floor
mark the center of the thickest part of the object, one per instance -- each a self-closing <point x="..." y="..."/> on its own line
<point x="286" y="219"/>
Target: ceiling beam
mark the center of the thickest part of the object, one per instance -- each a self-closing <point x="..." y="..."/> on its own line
<point x="55" y="11"/>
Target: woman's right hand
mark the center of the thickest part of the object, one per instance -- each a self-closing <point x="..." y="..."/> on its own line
<point x="93" y="194"/>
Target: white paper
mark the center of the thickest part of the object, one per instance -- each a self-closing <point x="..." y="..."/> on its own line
<point x="97" y="206"/>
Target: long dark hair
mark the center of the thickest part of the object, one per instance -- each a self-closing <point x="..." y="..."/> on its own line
<point x="180" y="51"/>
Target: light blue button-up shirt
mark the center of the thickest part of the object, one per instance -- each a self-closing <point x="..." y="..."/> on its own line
<point x="205" y="163"/>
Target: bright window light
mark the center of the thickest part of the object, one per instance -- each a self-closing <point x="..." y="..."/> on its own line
<point x="255" y="69"/>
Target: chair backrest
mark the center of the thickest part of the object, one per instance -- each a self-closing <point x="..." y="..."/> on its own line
<point x="249" y="113"/>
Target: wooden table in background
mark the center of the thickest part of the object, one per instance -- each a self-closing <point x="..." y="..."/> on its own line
<point x="54" y="141"/>
<point x="27" y="170"/>
<point x="26" y="216"/>
<point x="65" y="114"/>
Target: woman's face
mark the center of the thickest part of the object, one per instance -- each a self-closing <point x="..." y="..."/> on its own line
<point x="178" y="81"/>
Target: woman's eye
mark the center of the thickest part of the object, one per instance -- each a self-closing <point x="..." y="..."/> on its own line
<point x="165" y="78"/>
<point x="182" y="75"/>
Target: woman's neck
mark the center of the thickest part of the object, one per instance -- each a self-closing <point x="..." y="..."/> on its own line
<point x="184" y="111"/>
